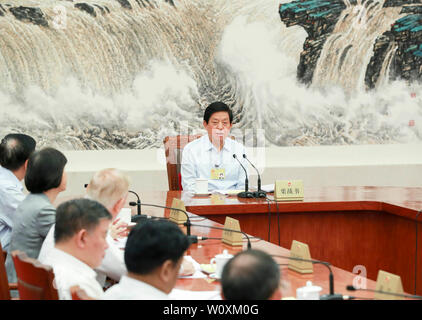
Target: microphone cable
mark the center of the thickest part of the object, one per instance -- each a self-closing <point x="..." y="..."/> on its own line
<point x="278" y="217"/>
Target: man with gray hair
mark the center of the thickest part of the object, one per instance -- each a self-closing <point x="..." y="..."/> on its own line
<point x="109" y="187"/>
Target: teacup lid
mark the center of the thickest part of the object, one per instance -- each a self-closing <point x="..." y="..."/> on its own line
<point x="309" y="288"/>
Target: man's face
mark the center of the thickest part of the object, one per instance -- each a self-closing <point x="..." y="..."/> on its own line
<point x="218" y="126"/>
<point x="96" y="243"/>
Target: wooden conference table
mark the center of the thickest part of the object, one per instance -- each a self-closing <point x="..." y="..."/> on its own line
<point x="356" y="229"/>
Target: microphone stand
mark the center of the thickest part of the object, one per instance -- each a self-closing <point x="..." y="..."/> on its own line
<point x="138" y="203"/>
<point x="246" y="193"/>
<point x="225" y="229"/>
<point x="187" y="223"/>
<point x="331" y="295"/>
<point x="260" y="193"/>
<point x="352" y="288"/>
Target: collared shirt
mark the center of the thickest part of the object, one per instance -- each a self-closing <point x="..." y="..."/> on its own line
<point x="11" y="196"/>
<point x="70" y="271"/>
<point x="200" y="156"/>
<point x="132" y="289"/>
<point x="113" y="264"/>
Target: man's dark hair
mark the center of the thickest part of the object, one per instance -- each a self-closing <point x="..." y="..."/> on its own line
<point x="217" y="107"/>
<point x="151" y="243"/>
<point x="250" y="275"/>
<point x="15" y="149"/>
<point x="77" y="214"/>
<point x="44" y="170"/>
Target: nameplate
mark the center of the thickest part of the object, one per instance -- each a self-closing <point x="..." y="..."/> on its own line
<point x="390" y="283"/>
<point x="177" y="216"/>
<point x="288" y="190"/>
<point x="301" y="251"/>
<point x="229" y="237"/>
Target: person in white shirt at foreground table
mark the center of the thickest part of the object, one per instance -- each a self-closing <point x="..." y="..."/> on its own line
<point x="110" y="187"/>
<point x="211" y="156"/>
<point x="153" y="256"/>
<point x="80" y="243"/>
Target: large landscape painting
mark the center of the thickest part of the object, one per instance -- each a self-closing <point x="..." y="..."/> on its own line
<point x="123" y="74"/>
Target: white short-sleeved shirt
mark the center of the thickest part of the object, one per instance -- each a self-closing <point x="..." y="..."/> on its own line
<point x="200" y="156"/>
<point x="132" y="289"/>
<point x="11" y="196"/>
<point x="70" y="271"/>
<point x="112" y="265"/>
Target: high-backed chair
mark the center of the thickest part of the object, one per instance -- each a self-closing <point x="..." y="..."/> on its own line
<point x="79" y="294"/>
<point x="5" y="286"/>
<point x="173" y="146"/>
<point x="35" y="280"/>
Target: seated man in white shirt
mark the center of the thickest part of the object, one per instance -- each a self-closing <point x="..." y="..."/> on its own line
<point x="110" y="188"/>
<point x="153" y="256"/>
<point x="80" y="243"/>
<point x="15" y="150"/>
<point x="211" y="156"/>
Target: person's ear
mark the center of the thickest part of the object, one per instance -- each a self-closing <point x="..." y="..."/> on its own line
<point x="205" y="124"/>
<point x="118" y="206"/>
<point x="26" y="164"/>
<point x="81" y="238"/>
<point x="166" y="271"/>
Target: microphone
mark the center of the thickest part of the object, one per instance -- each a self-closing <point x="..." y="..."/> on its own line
<point x="187" y="223"/>
<point x="138" y="203"/>
<point x="260" y="193"/>
<point x="331" y="295"/>
<point x="224" y="229"/>
<point x="246" y="193"/>
<point x="352" y="288"/>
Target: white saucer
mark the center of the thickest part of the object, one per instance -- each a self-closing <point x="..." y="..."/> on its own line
<point x="214" y="276"/>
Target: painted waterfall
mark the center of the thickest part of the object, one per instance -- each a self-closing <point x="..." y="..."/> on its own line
<point x="104" y="74"/>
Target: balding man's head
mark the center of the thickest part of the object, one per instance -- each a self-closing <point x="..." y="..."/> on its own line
<point x="250" y="275"/>
<point x="110" y="188"/>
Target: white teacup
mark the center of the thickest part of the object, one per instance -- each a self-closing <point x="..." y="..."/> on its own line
<point x="220" y="260"/>
<point x="308" y="292"/>
<point x="201" y="186"/>
<point x="125" y="215"/>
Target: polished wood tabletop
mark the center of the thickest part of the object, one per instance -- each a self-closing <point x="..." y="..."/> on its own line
<point x="346" y="202"/>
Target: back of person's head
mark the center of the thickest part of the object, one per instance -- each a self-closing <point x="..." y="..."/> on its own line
<point x="81" y="230"/>
<point x="250" y="275"/>
<point x="108" y="186"/>
<point x="217" y="106"/>
<point x="45" y="170"/>
<point x="153" y="242"/>
<point x="15" y="149"/>
<point x="77" y="214"/>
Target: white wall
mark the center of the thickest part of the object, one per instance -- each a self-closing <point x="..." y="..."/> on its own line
<point x="372" y="165"/>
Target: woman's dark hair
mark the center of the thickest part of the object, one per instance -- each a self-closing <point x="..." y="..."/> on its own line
<point x="44" y="170"/>
<point x="217" y="106"/>
<point x="15" y="149"/>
